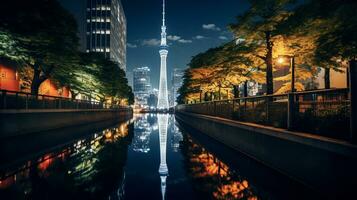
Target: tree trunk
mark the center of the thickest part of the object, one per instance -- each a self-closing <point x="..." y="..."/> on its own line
<point x="219" y="93"/>
<point x="327" y="78"/>
<point x="245" y="92"/>
<point x="269" y="63"/>
<point x="236" y="91"/>
<point x="73" y="94"/>
<point x="200" y="96"/>
<point x="348" y="77"/>
<point x="353" y="100"/>
<point x="206" y="97"/>
<point x="38" y="78"/>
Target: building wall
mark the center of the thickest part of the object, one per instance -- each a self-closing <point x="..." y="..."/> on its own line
<point x="49" y="88"/>
<point x="8" y="78"/>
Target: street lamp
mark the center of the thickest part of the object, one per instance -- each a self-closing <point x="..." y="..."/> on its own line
<point x="282" y="60"/>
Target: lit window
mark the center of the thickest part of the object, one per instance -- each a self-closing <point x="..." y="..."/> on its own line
<point x="107" y="31"/>
<point x="101" y="50"/>
<point x="107" y="50"/>
<point x="88" y="20"/>
<point x="101" y="32"/>
<point x="107" y="20"/>
<point x="87" y="50"/>
<point x="97" y="50"/>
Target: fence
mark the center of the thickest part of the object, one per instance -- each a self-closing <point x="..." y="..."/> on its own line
<point x="22" y="100"/>
<point x="323" y="112"/>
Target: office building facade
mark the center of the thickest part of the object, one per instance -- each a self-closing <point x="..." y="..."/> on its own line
<point x="106" y="30"/>
<point x="101" y="27"/>
<point x="142" y="85"/>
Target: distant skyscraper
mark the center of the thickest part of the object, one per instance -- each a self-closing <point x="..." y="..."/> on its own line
<point x="129" y="76"/>
<point x="106" y="29"/>
<point x="142" y="85"/>
<point x="101" y="27"/>
<point x="177" y="77"/>
<point x="163" y="101"/>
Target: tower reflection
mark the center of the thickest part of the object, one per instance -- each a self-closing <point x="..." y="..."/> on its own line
<point x="163" y="170"/>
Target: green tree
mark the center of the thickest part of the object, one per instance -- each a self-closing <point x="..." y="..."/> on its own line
<point x="46" y="32"/>
<point x="334" y="25"/>
<point x="258" y="28"/>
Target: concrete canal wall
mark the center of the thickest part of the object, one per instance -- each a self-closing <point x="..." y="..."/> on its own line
<point x="22" y="122"/>
<point x="327" y="165"/>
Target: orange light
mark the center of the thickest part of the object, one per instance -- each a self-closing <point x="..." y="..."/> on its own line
<point x="281" y="60"/>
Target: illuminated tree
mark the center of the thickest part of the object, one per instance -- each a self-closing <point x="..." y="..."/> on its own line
<point x="258" y="28"/>
<point x="334" y="25"/>
<point x="46" y="33"/>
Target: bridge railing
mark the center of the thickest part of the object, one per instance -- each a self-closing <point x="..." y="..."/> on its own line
<point x="324" y="112"/>
<point x="23" y="100"/>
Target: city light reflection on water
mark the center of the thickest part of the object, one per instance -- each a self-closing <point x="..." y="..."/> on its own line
<point x="146" y="158"/>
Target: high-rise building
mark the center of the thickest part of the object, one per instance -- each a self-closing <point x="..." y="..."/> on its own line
<point x="142" y="85"/>
<point x="129" y="76"/>
<point x="177" y="78"/>
<point x="163" y="101"/>
<point x="101" y="27"/>
<point x="106" y="29"/>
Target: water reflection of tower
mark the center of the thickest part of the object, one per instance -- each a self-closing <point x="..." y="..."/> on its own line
<point x="163" y="170"/>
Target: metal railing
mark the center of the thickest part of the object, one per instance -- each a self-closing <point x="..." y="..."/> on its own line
<point x="23" y="100"/>
<point x="323" y="112"/>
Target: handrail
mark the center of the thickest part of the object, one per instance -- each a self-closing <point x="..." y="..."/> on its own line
<point x="276" y="95"/>
<point x="42" y="99"/>
<point x="323" y="112"/>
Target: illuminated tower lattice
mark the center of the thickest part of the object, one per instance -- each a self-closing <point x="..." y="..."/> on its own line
<point x="163" y="170"/>
<point x="163" y="101"/>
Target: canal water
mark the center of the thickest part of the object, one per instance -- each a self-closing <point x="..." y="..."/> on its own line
<point x="148" y="157"/>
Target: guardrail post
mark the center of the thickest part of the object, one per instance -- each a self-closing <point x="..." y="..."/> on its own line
<point x="215" y="108"/>
<point x="60" y="103"/>
<point x="3" y="99"/>
<point x="27" y="102"/>
<point x="291" y="109"/>
<point x="267" y="101"/>
<point x="353" y="93"/>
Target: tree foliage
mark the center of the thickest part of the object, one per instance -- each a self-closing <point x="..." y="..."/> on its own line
<point x="317" y="33"/>
<point x="41" y="37"/>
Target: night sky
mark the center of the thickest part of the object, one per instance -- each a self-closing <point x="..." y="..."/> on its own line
<point x="193" y="26"/>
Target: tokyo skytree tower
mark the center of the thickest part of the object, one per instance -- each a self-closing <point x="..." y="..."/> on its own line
<point x="163" y="100"/>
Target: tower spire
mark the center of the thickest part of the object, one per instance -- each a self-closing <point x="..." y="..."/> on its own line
<point x="163" y="28"/>
<point x="163" y="13"/>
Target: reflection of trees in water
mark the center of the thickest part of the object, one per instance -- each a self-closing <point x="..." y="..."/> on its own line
<point x="212" y="178"/>
<point x="92" y="168"/>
